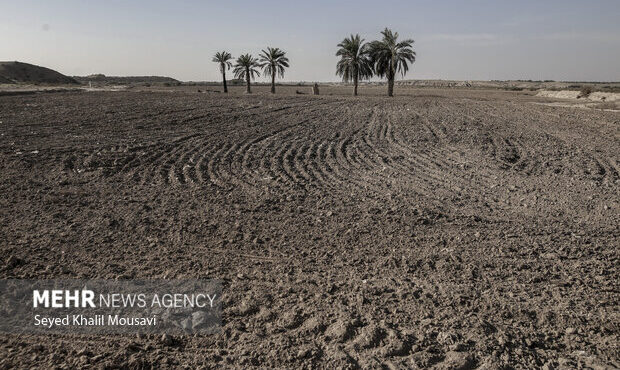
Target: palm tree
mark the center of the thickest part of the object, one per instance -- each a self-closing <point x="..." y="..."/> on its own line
<point x="390" y="56"/>
<point x="223" y="58"/>
<point x="273" y="61"/>
<point x="354" y="63"/>
<point x="245" y="67"/>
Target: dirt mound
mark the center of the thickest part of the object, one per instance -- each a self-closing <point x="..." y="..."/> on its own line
<point x="4" y="80"/>
<point x="30" y="73"/>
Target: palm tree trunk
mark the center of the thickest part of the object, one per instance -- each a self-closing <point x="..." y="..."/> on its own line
<point x="247" y="80"/>
<point x="273" y="81"/>
<point x="224" y="80"/>
<point x="390" y="76"/>
<point x="355" y="85"/>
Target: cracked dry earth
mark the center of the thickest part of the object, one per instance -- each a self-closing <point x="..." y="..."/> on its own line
<point x="440" y="228"/>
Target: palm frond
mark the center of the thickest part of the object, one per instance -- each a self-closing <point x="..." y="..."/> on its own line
<point x="223" y="59"/>
<point x="273" y="60"/>
<point x="390" y="56"/>
<point x="246" y="64"/>
<point x="354" y="59"/>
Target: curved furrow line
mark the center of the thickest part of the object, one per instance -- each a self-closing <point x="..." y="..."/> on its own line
<point x="202" y="175"/>
<point x="532" y="166"/>
<point x="345" y="149"/>
<point x="278" y="166"/>
<point x="292" y="166"/>
<point x="614" y="169"/>
<point x="166" y="168"/>
<point x="381" y="173"/>
<point x="332" y="164"/>
<point x="313" y="159"/>
<point x="321" y="166"/>
<point x="340" y="155"/>
<point x="159" y="164"/>
<point x="121" y="162"/>
<point x="148" y="167"/>
<point x="265" y="166"/>
<point x="437" y="159"/>
<point x="388" y="157"/>
<point x="236" y="162"/>
<point x="422" y="168"/>
<point x="213" y="164"/>
<point x="261" y="154"/>
<point x="501" y="153"/>
<point x="117" y="156"/>
<point x="505" y="151"/>
<point x="600" y="169"/>
<point x="511" y="150"/>
<point x="348" y="174"/>
<point x="189" y="169"/>
<point x="159" y="113"/>
<point x="247" y="150"/>
<point x="177" y="164"/>
<point x="444" y="172"/>
<point x="367" y="157"/>
<point x="175" y="175"/>
<point x="138" y="159"/>
<point x="376" y="140"/>
<point x="271" y="156"/>
<point x="374" y="154"/>
<point x="300" y="164"/>
<point x="403" y="145"/>
<point x="360" y="155"/>
<point x="428" y="166"/>
<point x="183" y="169"/>
<point x="137" y="168"/>
<point x="504" y="155"/>
<point x="225" y="167"/>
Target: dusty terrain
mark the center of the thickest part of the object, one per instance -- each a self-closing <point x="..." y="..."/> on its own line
<point x="446" y="228"/>
<point x="515" y="85"/>
<point x="100" y="79"/>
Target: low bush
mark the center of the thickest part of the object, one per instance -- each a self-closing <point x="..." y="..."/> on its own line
<point x="585" y="91"/>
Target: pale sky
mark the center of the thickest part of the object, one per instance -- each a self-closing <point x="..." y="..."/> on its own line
<point x="464" y="40"/>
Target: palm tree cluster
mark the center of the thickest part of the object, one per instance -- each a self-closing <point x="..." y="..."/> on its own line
<point x="358" y="61"/>
<point x="382" y="58"/>
<point x="273" y="61"/>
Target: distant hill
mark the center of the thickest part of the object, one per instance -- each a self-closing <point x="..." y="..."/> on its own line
<point x="5" y="81"/>
<point x="30" y="73"/>
<point x="118" y="80"/>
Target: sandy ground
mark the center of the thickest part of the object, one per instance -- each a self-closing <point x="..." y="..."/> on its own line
<point x="440" y="228"/>
<point x="606" y="101"/>
<point x="570" y="94"/>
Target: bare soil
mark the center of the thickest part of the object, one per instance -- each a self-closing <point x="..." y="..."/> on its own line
<point x="445" y="228"/>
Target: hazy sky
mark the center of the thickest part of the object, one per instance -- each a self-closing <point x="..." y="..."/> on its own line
<point x="495" y="39"/>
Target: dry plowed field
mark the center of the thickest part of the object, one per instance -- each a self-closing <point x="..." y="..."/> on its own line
<point x="446" y="228"/>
